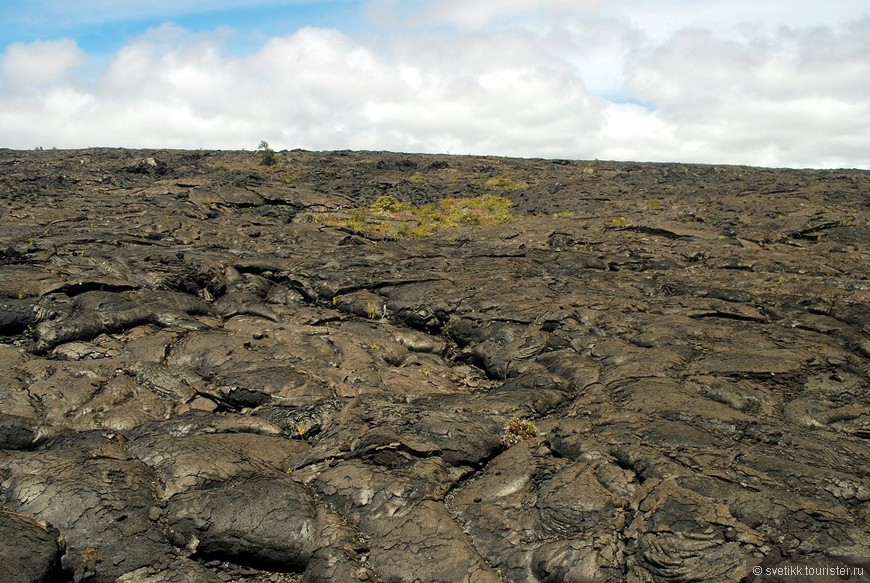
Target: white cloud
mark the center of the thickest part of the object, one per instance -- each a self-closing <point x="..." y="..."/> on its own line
<point x="627" y="125"/>
<point x="40" y="62"/>
<point x="796" y="97"/>
<point x="535" y="78"/>
<point x="483" y="13"/>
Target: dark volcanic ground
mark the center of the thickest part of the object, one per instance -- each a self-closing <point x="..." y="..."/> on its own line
<point x="202" y="381"/>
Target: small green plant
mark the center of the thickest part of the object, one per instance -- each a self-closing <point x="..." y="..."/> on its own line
<point x="488" y="208"/>
<point x="404" y="231"/>
<point x="392" y="217"/>
<point x="618" y="222"/>
<point x="517" y="430"/>
<point x="504" y="184"/>
<point x="371" y="310"/>
<point x="267" y="154"/>
<point x="389" y="204"/>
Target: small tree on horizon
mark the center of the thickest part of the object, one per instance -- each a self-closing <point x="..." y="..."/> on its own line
<point x="267" y="154"/>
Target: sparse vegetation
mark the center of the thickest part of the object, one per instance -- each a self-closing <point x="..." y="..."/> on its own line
<point x="391" y="217"/>
<point x="389" y="204"/>
<point x="517" y="430"/>
<point x="267" y="162"/>
<point x="850" y="219"/>
<point x="504" y="183"/>
<point x="618" y="222"/>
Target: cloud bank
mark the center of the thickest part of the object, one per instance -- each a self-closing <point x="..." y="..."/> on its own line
<point x="549" y="78"/>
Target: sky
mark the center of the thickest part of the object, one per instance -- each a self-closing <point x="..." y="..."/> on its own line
<point x="782" y="83"/>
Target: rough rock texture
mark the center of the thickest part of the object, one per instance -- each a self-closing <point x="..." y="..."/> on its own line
<point x="31" y="550"/>
<point x="202" y="380"/>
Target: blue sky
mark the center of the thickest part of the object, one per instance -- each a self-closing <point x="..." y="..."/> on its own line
<point x="775" y="83"/>
<point x="102" y="28"/>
